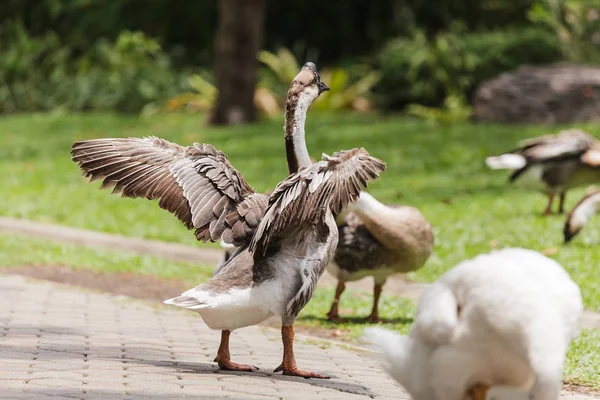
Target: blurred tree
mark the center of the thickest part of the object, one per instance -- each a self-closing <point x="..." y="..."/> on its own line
<point x="238" y="40"/>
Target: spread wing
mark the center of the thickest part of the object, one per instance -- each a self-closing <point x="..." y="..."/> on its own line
<point x="307" y="195"/>
<point x="196" y="183"/>
<point x="567" y="143"/>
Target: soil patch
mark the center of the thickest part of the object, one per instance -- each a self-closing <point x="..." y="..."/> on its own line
<point x="143" y="287"/>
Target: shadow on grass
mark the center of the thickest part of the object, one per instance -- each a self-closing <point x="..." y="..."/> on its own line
<point x="353" y="320"/>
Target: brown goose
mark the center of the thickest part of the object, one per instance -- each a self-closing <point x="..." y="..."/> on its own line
<point x="583" y="211"/>
<point x="553" y="164"/>
<point x="378" y="240"/>
<point x="284" y="241"/>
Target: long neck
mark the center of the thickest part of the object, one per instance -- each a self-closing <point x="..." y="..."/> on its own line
<point x="368" y="205"/>
<point x="295" y="143"/>
<point x="586" y="209"/>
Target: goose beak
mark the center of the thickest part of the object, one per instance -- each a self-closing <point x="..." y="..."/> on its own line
<point x="323" y="87"/>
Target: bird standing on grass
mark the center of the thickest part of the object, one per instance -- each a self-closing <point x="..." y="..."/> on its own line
<point x="552" y="164"/>
<point x="377" y="240"/>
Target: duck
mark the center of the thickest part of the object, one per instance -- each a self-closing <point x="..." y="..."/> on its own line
<point x="283" y="241"/>
<point x="552" y="164"/>
<point x="583" y="211"/>
<point x="500" y="320"/>
<point x="377" y="240"/>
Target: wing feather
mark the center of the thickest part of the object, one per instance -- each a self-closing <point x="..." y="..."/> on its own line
<point x="306" y="196"/>
<point x="573" y="142"/>
<point x="196" y="183"/>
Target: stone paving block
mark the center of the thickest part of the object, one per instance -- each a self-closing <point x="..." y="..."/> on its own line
<point x="55" y="382"/>
<point x="58" y="366"/>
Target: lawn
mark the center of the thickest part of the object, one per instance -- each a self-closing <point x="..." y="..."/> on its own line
<point x="439" y="170"/>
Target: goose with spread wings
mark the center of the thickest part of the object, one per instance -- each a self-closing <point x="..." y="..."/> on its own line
<point x="284" y="240"/>
<point x="553" y="164"/>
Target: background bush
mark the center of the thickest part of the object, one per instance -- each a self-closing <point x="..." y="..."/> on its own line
<point x="125" y="55"/>
<point x="424" y="71"/>
<point x="41" y="73"/>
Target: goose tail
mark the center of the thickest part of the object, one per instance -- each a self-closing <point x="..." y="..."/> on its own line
<point x="186" y="302"/>
<point x="389" y="343"/>
<point x="506" y="161"/>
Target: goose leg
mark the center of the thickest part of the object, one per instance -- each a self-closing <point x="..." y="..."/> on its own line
<point x="224" y="359"/>
<point x="288" y="366"/>
<point x="478" y="392"/>
<point x="561" y="205"/>
<point x="548" y="210"/>
<point x="374" y="317"/>
<point x="333" y="314"/>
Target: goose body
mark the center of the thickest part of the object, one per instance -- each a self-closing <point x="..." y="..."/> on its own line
<point x="248" y="290"/>
<point x="284" y="241"/>
<point x="501" y="319"/>
<point x="378" y="240"/>
<point x="552" y="164"/>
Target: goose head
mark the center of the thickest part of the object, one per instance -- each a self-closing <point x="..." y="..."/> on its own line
<point x="307" y="85"/>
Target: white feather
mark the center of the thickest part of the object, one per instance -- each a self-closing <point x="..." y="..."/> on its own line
<point x="516" y="312"/>
<point x="506" y="161"/>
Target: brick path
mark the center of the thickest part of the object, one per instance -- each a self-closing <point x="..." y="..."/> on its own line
<point x="57" y="341"/>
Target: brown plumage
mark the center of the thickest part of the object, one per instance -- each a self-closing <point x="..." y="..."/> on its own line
<point x="552" y="164"/>
<point x="326" y="186"/>
<point x="286" y="239"/>
<point x="378" y="240"/>
<point x="581" y="213"/>
<point x="196" y="183"/>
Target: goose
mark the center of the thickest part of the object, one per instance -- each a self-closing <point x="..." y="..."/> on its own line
<point x="503" y="319"/>
<point x="583" y="211"/>
<point x="552" y="164"/>
<point x="377" y="240"/>
<point x="284" y="241"/>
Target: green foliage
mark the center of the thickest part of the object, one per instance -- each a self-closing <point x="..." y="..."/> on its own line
<point x="426" y="71"/>
<point x="454" y="110"/>
<point x="40" y="73"/>
<point x="350" y="87"/>
<point x="576" y="24"/>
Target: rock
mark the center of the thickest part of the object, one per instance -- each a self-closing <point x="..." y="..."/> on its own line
<point x="553" y="94"/>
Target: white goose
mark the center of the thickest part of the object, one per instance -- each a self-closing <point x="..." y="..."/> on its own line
<point x="284" y="241"/>
<point x="501" y="319"/>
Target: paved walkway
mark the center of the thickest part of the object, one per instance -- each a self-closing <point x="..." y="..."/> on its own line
<point x="58" y="341"/>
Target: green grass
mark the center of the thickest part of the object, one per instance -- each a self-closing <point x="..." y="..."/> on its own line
<point x="439" y="170"/>
<point x="19" y="251"/>
<point x="583" y="360"/>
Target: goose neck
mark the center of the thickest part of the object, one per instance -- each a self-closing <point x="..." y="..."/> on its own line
<point x="295" y="142"/>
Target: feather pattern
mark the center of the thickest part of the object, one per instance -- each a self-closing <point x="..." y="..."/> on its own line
<point x="567" y="143"/>
<point x="298" y="199"/>
<point x="196" y="183"/>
